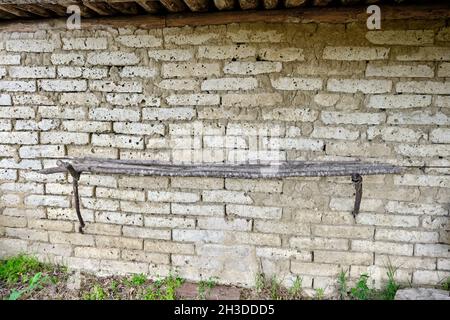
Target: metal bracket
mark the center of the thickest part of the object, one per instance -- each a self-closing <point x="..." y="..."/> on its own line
<point x="76" y="176"/>
<point x="357" y="182"/>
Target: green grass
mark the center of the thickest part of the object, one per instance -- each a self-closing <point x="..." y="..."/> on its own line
<point x="163" y="289"/>
<point x="392" y="286"/>
<point x="96" y="293"/>
<point x="342" y="284"/>
<point x="446" y="284"/>
<point x="296" y="289"/>
<point x="20" y="269"/>
<point x="205" y="286"/>
<point x="320" y="294"/>
<point x="361" y="291"/>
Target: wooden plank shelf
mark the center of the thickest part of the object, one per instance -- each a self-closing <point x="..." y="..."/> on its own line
<point x="274" y="170"/>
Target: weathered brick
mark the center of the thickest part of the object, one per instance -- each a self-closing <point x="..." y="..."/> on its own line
<point x="62" y="137"/>
<point x="229" y="84"/>
<point x="422" y="180"/>
<point x="395" y="134"/>
<point x="440" y="135"/>
<point x="279" y="227"/>
<point x="79" y="99"/>
<point x="307" y="84"/>
<point x="142" y="256"/>
<point x="115" y="114"/>
<point x="171" y="55"/>
<point x="399" y="70"/>
<point x="174" y="196"/>
<point x="9" y="59"/>
<point x="403" y="249"/>
<point x="426" y="54"/>
<point x="168" y="247"/>
<point x="115" y="58"/>
<point x="223" y="224"/>
<point x="344" y="257"/>
<point x="432" y="250"/>
<point x="118" y="242"/>
<point x="282" y="54"/>
<point x="85" y="43"/>
<point x="181" y="113"/>
<point x="348" y="232"/>
<point x="119" y="86"/>
<point x="178" y="84"/>
<point x="63" y="85"/>
<point x="401" y="37"/>
<point x="169" y="222"/>
<point x="86" y="126"/>
<point x="118" y="141"/>
<point x="75" y="59"/>
<point x="444" y="70"/>
<point x="145" y="207"/>
<point x="335" y="133"/>
<point x="282" y="253"/>
<point x="251" y="100"/>
<point x="355" y="53"/>
<point x="172" y="70"/>
<point x="28" y="45"/>
<point x="423" y="150"/>
<point x="119" y="218"/>
<point x="131" y="195"/>
<point x="7" y="174"/>
<point x="252" y="68"/>
<point x="71" y="238"/>
<point x="406" y="236"/>
<point x="17" y="112"/>
<point x="355" y="118"/>
<point x="42" y="151"/>
<point x="32" y="72"/>
<point x="254" y="211"/>
<point x="430" y="87"/>
<point x="19" y="137"/>
<point x="48" y="225"/>
<point x="238" y="51"/>
<point x="315" y="269"/>
<point x="22" y="86"/>
<point x="418" y="118"/>
<point x="139" y="41"/>
<point x="359" y="85"/>
<point x="145" y="233"/>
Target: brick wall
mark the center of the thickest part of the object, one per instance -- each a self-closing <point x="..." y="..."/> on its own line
<point x="299" y="91"/>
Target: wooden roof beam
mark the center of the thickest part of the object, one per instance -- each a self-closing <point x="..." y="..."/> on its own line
<point x="150" y="6"/>
<point x="174" y="5"/>
<point x="224" y="4"/>
<point x="248" y="4"/>
<point x="321" y="3"/>
<point x="36" y="10"/>
<point x="270" y="4"/>
<point x="294" y="3"/>
<point x="197" y="5"/>
<point x="100" y="8"/>
<point x="10" y="9"/>
<point x="130" y="8"/>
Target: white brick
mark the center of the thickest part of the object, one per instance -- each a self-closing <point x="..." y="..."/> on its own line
<point x="119" y="86"/>
<point x="251" y="99"/>
<point x="171" y="55"/>
<point x="63" y="85"/>
<point x="255" y="129"/>
<point x="223" y="224"/>
<point x="100" y="204"/>
<point x="143" y="182"/>
<point x="115" y="58"/>
<point x="178" y="84"/>
<point x="426" y="54"/>
<point x="42" y="151"/>
<point x="440" y="135"/>
<point x="116" y="114"/>
<point x="5" y="125"/>
<point x="130" y="195"/>
<point x="383" y="247"/>
<point x="26" y="86"/>
<point x="79" y="99"/>
<point x="252" y="68"/>
<point x="172" y="196"/>
<point x="7" y="174"/>
<point x="30" y="45"/>
<point x="399" y="101"/>
<point x="5" y="99"/>
<point x="139" y="41"/>
<point x="75" y="59"/>
<point x="9" y="59"/>
<point x="193" y="99"/>
<point x="168" y="222"/>
<point x="196" y="128"/>
<point x="226" y="196"/>
<point x="344" y="257"/>
<point x="335" y="133"/>
<point x="358" y="118"/>
<point x="168" y="113"/>
<point x="62" y="112"/>
<point x="32" y="72"/>
<point x="86" y="126"/>
<point x="239" y="34"/>
<point x="418" y="118"/>
<point x="432" y="250"/>
<point x="315" y="269"/>
<point x="282" y="54"/>
<point x="229" y="84"/>
<point x="423" y="150"/>
<point x="254" y="212"/>
<point x="305" y="243"/>
<point x="355" y="53"/>
<point x="119" y="218"/>
<point x="387" y="220"/>
<point x="427" y="87"/>
<point x="359" y="85"/>
<point x="347" y="232"/>
<point x="398" y="70"/>
<point x="198" y="210"/>
<point x="88" y="73"/>
<point x="118" y="141"/>
<point x="139" y="128"/>
<point x="401" y="37"/>
<point x="425" y="277"/>
<point x="290" y="114"/>
<point x="406" y="236"/>
<point x="238" y="51"/>
<point x="145" y="207"/>
<point x="96" y="43"/>
<point x="17" y="112"/>
<point x="282" y="253"/>
<point x="297" y="83"/>
<point x="423" y="180"/>
<point x="171" y="70"/>
<point x="395" y="134"/>
<point x="415" y="208"/>
<point x="138" y="72"/>
<point x="180" y="37"/>
<point x="61" y="137"/>
<point x="18" y="137"/>
<point x="134" y="99"/>
<point x="47" y="200"/>
<point x="146" y="233"/>
<point x="293" y="143"/>
<point x="444" y="70"/>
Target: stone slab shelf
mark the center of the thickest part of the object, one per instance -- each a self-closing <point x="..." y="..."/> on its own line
<point x="273" y="170"/>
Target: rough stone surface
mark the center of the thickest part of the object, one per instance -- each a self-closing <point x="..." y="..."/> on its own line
<point x="422" y="294"/>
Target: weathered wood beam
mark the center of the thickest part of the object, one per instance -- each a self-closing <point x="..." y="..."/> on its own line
<point x="174" y="5"/>
<point x="58" y="9"/>
<point x="294" y="3"/>
<point x="321" y="3"/>
<point x="99" y="7"/>
<point x="270" y="4"/>
<point x="15" y="11"/>
<point x="248" y="4"/>
<point x="303" y="15"/>
<point x="150" y="6"/>
<point x="350" y="2"/>
<point x="36" y="10"/>
<point x="197" y="5"/>
<point x="224" y="4"/>
<point x="130" y="8"/>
